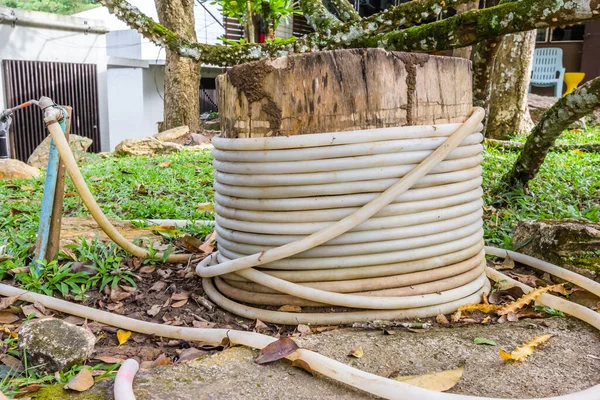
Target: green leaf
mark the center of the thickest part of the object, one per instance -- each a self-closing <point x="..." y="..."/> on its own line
<point x="482" y="340"/>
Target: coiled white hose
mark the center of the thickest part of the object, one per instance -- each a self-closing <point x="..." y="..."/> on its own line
<point x="330" y="224"/>
<point x="376" y="385"/>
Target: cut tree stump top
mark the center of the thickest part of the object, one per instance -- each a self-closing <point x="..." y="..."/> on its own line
<point x="342" y="90"/>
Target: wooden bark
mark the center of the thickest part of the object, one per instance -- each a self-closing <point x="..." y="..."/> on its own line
<point x="182" y="74"/>
<point x="508" y="112"/>
<point x="342" y="90"/>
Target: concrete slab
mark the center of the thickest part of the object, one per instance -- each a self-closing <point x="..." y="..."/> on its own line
<point x="570" y="361"/>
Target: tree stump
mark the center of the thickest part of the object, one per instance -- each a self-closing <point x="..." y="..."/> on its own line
<point x="342" y="90"/>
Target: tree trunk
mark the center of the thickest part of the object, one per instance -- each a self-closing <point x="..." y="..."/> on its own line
<point x="465" y="52"/>
<point x="581" y="102"/>
<point x="182" y="74"/>
<point x="508" y="113"/>
<point x="342" y="90"/>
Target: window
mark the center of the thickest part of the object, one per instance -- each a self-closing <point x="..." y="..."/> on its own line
<point x="572" y="33"/>
<point x="542" y="35"/>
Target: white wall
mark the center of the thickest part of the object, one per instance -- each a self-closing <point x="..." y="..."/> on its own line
<point x="126" y="106"/>
<point x="26" y="41"/>
<point x="154" y="83"/>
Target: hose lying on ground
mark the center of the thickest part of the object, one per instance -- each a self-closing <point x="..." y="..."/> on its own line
<point x="370" y="383"/>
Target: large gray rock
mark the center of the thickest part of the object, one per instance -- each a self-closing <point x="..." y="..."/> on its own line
<point x="54" y="344"/>
<point x="145" y="147"/>
<point x="538" y="105"/>
<point x="15" y="169"/>
<point x="570" y="243"/>
<point x="39" y="157"/>
<point x="180" y="135"/>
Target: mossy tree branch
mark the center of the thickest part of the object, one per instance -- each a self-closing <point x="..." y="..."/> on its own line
<point x="344" y="10"/>
<point x="477" y="25"/>
<point x="581" y="102"/>
<point x="318" y="16"/>
<point x="455" y="32"/>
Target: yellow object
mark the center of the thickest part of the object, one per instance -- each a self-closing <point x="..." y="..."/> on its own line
<point x="573" y="79"/>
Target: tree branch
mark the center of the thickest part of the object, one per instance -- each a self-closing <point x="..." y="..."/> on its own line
<point x="344" y="10"/>
<point x="455" y="32"/>
<point x="518" y="146"/>
<point x="318" y="16"/>
<point x="477" y="25"/>
<point x="581" y="102"/>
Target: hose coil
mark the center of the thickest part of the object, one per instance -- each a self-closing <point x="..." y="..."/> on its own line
<point x="418" y="256"/>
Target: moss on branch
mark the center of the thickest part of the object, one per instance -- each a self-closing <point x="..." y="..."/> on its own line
<point x="477" y="25"/>
<point x="455" y="32"/>
<point x="318" y="16"/>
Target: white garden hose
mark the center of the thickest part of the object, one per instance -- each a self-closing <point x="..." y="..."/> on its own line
<point x="330" y="224"/>
<point x="442" y="258"/>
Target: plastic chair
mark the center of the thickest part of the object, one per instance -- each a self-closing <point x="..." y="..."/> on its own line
<point x="548" y="69"/>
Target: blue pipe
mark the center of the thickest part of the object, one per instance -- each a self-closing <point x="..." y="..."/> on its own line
<point x="48" y="197"/>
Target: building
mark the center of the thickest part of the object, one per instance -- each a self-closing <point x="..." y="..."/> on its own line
<point x="62" y="57"/>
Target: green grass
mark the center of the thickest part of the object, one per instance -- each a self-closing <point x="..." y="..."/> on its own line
<point x="568" y="186"/>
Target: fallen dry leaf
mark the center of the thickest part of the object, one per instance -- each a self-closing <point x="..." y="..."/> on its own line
<point x="259" y="325"/>
<point x="31" y="310"/>
<point x="161" y="360"/>
<point x="109" y="359"/>
<point x="524" y="351"/>
<point x="439" y="381"/>
<point x="26" y="188"/>
<point x="206" y="207"/>
<point x="484" y="308"/>
<point x="155" y="309"/>
<point x="507" y="263"/>
<point x="209" y="244"/>
<point x="7" y="317"/>
<point x="13" y="363"/>
<point x="303" y="329"/>
<point x="180" y="296"/>
<point x="8" y="301"/>
<point x="123" y="336"/>
<point x="179" y="304"/>
<point x="442" y="320"/>
<point x="165" y="164"/>
<point x="148" y="269"/>
<point x="191" y="354"/>
<point x="277" y="350"/>
<point x="34" y="387"/>
<point x="510" y="294"/>
<point x="81" y="382"/>
<point x="288" y="308"/>
<point x="158" y="286"/>
<point x="9" y="332"/>
<point x="357" y="352"/>
<point x="525" y="300"/>
<point x="302" y="364"/>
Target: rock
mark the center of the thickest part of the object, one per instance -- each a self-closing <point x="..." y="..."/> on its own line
<point x="145" y="147"/>
<point x="39" y="157"/>
<point x="53" y="344"/>
<point x="572" y="244"/>
<point x="15" y="169"/>
<point x="213" y="125"/>
<point x="179" y="135"/>
<point x="200" y="138"/>
<point x="538" y="105"/>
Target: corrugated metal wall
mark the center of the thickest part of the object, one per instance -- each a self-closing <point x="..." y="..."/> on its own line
<point x="69" y="84"/>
